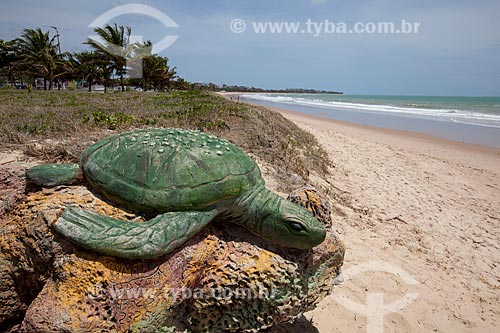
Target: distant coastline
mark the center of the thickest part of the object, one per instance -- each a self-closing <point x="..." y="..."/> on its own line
<point x="244" y="89"/>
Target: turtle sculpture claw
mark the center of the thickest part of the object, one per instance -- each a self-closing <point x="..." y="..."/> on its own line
<point x="188" y="178"/>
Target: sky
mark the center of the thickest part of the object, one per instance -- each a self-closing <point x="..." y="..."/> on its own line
<point x="455" y="51"/>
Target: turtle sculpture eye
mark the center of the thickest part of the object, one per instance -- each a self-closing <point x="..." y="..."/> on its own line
<point x="296" y="226"/>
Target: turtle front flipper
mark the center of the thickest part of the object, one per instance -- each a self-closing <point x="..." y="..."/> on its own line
<point x="132" y="240"/>
<point x="49" y="175"/>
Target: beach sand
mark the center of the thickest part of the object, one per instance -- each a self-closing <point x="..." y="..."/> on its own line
<point x="414" y="205"/>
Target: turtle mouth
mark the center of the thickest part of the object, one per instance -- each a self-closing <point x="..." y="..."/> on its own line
<point x="319" y="236"/>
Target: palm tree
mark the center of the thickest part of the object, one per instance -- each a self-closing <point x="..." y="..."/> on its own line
<point x="39" y="56"/>
<point x="136" y="64"/>
<point x="116" y="47"/>
<point x="151" y="68"/>
<point x="156" y="72"/>
<point x="167" y="75"/>
<point x="9" y="56"/>
<point x="181" y="84"/>
<point x="88" y="66"/>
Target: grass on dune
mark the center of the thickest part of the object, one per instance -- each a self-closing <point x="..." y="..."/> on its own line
<point x="58" y="125"/>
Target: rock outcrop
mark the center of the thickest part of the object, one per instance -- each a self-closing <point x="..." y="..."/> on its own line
<point x="224" y="279"/>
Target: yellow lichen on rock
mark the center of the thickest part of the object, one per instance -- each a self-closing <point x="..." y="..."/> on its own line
<point x="224" y="279"/>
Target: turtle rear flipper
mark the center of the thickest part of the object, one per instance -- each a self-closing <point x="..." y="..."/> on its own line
<point x="49" y="175"/>
<point x="132" y="240"/>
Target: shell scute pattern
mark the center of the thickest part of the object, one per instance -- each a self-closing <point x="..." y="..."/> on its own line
<point x="165" y="170"/>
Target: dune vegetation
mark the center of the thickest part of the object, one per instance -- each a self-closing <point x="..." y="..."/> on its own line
<point x="57" y="126"/>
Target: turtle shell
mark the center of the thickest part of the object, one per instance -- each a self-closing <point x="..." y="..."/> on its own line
<point x="161" y="170"/>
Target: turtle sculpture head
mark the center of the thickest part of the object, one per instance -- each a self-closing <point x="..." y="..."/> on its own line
<point x="187" y="178"/>
<point x="294" y="227"/>
<point x="279" y="220"/>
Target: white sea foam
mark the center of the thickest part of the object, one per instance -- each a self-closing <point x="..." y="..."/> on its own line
<point x="455" y="115"/>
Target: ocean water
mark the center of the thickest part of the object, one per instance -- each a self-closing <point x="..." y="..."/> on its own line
<point x="466" y="119"/>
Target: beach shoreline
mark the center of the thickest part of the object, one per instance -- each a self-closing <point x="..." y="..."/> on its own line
<point x="416" y="204"/>
<point x="439" y="127"/>
<point x="381" y="133"/>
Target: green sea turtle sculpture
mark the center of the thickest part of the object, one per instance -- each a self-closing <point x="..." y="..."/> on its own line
<point x="186" y="177"/>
